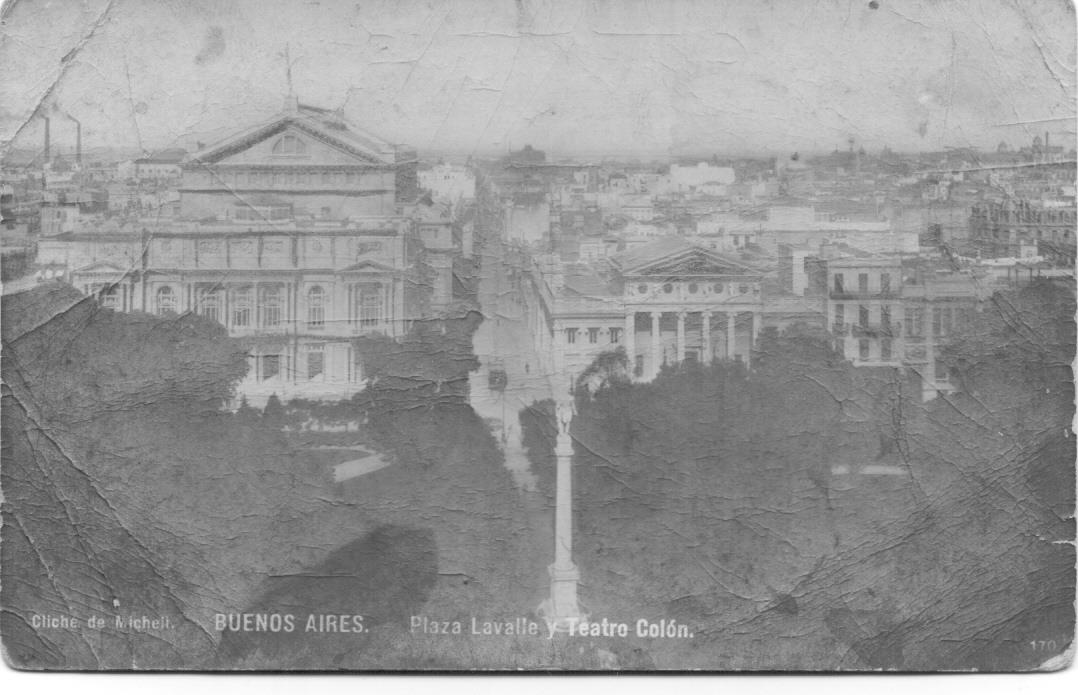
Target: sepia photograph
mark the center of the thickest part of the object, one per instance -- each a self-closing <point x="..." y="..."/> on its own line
<point x="538" y="335"/>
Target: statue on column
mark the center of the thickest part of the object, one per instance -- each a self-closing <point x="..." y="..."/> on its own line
<point x="564" y="413"/>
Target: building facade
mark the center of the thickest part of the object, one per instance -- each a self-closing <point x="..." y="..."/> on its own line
<point x="291" y="235"/>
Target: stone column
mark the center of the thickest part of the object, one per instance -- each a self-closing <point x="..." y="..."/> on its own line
<point x="706" y="335"/>
<point x="630" y="340"/>
<point x="730" y="316"/>
<point x="751" y="337"/>
<point x="681" y="336"/>
<point x="655" y="342"/>
<point x="562" y="609"/>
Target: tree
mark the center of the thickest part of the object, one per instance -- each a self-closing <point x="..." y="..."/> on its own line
<point x="128" y="489"/>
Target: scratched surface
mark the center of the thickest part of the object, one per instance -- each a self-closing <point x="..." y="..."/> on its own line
<point x="785" y="510"/>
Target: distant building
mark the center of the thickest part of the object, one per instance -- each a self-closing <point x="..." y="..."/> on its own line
<point x="702" y="177"/>
<point x="161" y="166"/>
<point x="527" y="218"/>
<point x="1003" y="228"/>
<point x="448" y="183"/>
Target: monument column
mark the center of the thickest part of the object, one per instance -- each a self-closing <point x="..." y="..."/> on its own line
<point x="655" y="344"/>
<point x="706" y="330"/>
<point x="562" y="609"/>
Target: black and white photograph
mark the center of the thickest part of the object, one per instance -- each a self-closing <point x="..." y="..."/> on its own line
<point x="538" y="335"/>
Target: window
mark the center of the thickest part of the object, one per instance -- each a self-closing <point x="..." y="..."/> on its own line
<point x="885" y="349"/>
<point x="271" y="366"/>
<point x="290" y="145"/>
<point x="166" y="300"/>
<point x="641" y="289"/>
<point x="840" y="283"/>
<point x="367" y="304"/>
<point x="693" y="288"/>
<point x="717" y="288"/>
<point x="269" y="306"/>
<point x="593" y="335"/>
<point x="615" y="336"/>
<point x="570" y="336"/>
<point x="885" y="283"/>
<point x="885" y="317"/>
<point x="316" y="361"/>
<point x="862" y="283"/>
<point x="862" y="348"/>
<point x="209" y="304"/>
<point x="840" y="314"/>
<point x="937" y="321"/>
<point x="743" y="289"/>
<point x="316" y="308"/>
<point x="241" y="307"/>
<point x="355" y="366"/>
<point x="668" y="288"/>
<point x="915" y="317"/>
<point x="862" y="316"/>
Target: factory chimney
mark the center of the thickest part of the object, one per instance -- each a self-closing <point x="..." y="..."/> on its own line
<point x="78" y="140"/>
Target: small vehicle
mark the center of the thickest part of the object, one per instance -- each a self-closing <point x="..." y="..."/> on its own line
<point x="497" y="378"/>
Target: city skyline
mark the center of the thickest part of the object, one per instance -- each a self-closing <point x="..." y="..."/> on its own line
<point x="640" y="81"/>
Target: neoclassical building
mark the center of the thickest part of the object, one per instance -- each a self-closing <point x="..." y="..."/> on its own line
<point x="293" y="234"/>
<point x="665" y="302"/>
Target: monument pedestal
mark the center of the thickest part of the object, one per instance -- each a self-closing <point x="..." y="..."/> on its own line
<point x="562" y="609"/>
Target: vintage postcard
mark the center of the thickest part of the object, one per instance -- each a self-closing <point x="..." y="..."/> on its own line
<point x="538" y="335"/>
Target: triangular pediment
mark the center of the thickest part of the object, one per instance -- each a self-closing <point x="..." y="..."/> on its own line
<point x="694" y="263"/>
<point x="103" y="268"/>
<point x="324" y="140"/>
<point x="368" y="266"/>
<point x="672" y="257"/>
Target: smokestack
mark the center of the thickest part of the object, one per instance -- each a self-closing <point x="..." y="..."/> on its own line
<point x="48" y="149"/>
<point x="78" y="141"/>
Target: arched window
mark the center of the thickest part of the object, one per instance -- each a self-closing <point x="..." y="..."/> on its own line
<point x="367" y="303"/>
<point x="166" y="300"/>
<point x="269" y="306"/>
<point x="241" y="307"/>
<point x="290" y="145"/>
<point x="209" y="303"/>
<point x="316" y="308"/>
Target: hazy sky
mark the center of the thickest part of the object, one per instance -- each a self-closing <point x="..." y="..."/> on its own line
<point x="572" y="76"/>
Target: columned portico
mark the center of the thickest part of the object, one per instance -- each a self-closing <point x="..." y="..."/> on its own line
<point x="703" y="335"/>
<point x="686" y="290"/>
